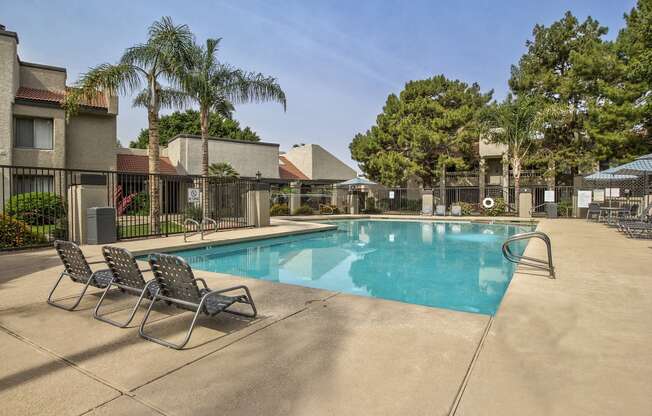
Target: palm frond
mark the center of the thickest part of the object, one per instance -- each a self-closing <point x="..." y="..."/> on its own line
<point x="251" y="87"/>
<point x="168" y="97"/>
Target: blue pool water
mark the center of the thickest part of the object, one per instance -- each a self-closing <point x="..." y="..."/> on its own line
<point x="450" y="265"/>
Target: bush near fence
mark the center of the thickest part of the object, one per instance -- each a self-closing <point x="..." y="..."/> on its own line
<point x="16" y="234"/>
<point x="36" y="208"/>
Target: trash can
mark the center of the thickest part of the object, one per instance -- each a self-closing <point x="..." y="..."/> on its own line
<point x="551" y="209"/>
<point x="100" y="223"/>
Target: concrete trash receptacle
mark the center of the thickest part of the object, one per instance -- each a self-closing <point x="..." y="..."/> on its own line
<point x="101" y="225"/>
<point x="551" y="209"/>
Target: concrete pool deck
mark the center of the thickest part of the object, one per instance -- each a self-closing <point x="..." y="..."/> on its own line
<point x="579" y="344"/>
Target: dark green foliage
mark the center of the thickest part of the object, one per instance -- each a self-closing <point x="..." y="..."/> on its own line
<point x="194" y="212"/>
<point x="468" y="208"/>
<point x="36" y="208"/>
<point x="187" y="122"/>
<point x="370" y="206"/>
<point x="139" y="205"/>
<point x="222" y="170"/>
<point x="428" y="127"/>
<point x="303" y="210"/>
<point x="15" y="233"/>
<point x="279" y="210"/>
<point x="499" y="208"/>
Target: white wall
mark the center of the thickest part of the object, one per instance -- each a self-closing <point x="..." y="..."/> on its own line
<point x="318" y="163"/>
<point x="247" y="158"/>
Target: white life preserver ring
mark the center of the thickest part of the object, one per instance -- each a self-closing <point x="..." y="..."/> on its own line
<point x="488" y="203"/>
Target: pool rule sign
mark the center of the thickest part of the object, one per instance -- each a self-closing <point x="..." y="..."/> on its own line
<point x="194" y="195"/>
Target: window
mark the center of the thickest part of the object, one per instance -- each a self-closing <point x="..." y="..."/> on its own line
<point x="33" y="183"/>
<point x="34" y="133"/>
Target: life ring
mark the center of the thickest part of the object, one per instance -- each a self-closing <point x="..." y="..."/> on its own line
<point x="488" y="203"/>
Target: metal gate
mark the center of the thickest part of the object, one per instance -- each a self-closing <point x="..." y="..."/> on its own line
<point x="36" y="206"/>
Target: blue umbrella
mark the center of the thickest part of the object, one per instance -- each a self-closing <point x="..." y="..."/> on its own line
<point x="641" y="165"/>
<point x="357" y="182"/>
<point x="608" y="175"/>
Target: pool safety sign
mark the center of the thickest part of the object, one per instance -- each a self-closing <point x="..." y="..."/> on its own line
<point x="549" y="196"/>
<point x="584" y="198"/>
<point x="194" y="195"/>
<point x="391" y="194"/>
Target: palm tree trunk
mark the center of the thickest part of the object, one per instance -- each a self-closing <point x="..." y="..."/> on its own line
<point x="516" y="171"/>
<point x="203" y="116"/>
<point x="154" y="172"/>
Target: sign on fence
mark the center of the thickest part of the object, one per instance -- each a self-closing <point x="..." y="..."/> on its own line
<point x="598" y="195"/>
<point x="391" y="194"/>
<point x="194" y="195"/>
<point x="612" y="192"/>
<point x="583" y="199"/>
<point x="549" y="196"/>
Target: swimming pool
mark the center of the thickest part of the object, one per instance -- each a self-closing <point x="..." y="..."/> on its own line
<point x="443" y="264"/>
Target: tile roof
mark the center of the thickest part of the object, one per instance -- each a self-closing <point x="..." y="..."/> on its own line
<point x="140" y="164"/>
<point x="287" y="170"/>
<point x="54" y="96"/>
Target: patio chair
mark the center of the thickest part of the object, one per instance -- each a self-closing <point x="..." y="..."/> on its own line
<point x="426" y="211"/>
<point x="126" y="276"/>
<point x="178" y="286"/>
<point x="594" y="211"/>
<point x="456" y="210"/>
<point x="440" y="210"/>
<point x="78" y="270"/>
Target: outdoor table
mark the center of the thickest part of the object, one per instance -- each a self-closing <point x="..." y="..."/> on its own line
<point x="611" y="210"/>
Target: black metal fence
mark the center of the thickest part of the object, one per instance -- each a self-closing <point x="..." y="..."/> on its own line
<point x="39" y="205"/>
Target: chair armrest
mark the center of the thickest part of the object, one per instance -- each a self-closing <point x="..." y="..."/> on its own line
<point x="230" y="289"/>
<point x="199" y="279"/>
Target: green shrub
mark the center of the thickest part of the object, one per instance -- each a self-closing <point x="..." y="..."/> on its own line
<point x="194" y="212"/>
<point x="565" y="208"/>
<point x="499" y="208"/>
<point x="329" y="209"/>
<point x="15" y="233"/>
<point x="370" y="206"/>
<point x="36" y="208"/>
<point x="139" y="205"/>
<point x="468" y="208"/>
<point x="279" y="210"/>
<point x="412" y="205"/>
<point x="303" y="210"/>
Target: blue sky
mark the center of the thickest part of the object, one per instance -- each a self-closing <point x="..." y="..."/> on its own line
<point x="336" y="60"/>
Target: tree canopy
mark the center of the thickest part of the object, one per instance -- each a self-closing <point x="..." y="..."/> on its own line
<point x="599" y="91"/>
<point x="425" y="129"/>
<point x="188" y="122"/>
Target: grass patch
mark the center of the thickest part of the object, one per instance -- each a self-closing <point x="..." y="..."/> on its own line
<point x="142" y="230"/>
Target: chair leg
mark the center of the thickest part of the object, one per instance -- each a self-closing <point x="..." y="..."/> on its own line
<point x="161" y="341"/>
<point x="96" y="312"/>
<point x="79" y="298"/>
<point x="250" y="302"/>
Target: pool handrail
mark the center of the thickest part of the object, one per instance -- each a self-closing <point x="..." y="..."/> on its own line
<point x="546" y="265"/>
<point x="187" y="233"/>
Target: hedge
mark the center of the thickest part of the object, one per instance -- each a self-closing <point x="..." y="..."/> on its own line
<point x="15" y="233"/>
<point x="36" y="208"/>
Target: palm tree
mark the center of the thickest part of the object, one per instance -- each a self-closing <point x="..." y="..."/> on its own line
<point x="222" y="170"/>
<point x="216" y="86"/>
<point x="517" y="123"/>
<point x="163" y="57"/>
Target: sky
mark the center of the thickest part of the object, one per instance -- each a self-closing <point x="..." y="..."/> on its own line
<point x="337" y="61"/>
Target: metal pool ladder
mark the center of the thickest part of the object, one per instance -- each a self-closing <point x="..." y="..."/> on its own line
<point x="530" y="261"/>
<point x="198" y="229"/>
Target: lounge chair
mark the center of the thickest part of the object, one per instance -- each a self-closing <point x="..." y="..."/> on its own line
<point x="441" y="210"/>
<point x="594" y="211"/>
<point x="126" y="276"/>
<point x="78" y="270"/>
<point x="456" y="210"/>
<point x="426" y="211"/>
<point x="178" y="286"/>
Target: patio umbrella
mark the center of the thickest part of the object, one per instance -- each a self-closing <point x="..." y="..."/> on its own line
<point x="608" y="175"/>
<point x="642" y="165"/>
<point x="357" y="182"/>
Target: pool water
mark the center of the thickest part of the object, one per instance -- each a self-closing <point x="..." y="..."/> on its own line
<point x="456" y="266"/>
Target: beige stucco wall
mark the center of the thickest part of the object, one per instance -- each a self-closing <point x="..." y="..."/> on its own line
<point x="41" y="78"/>
<point x="8" y="86"/>
<point x="54" y="158"/>
<point x="318" y="163"/>
<point x="491" y="149"/>
<point x="91" y="142"/>
<point x="247" y="158"/>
